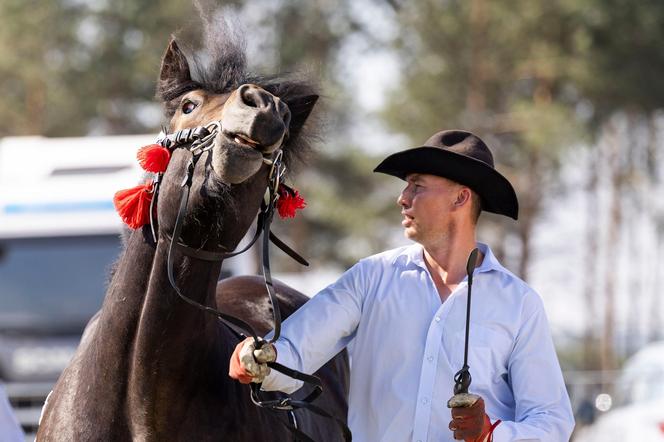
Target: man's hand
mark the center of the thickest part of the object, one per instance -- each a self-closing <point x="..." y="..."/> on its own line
<point x="250" y="365"/>
<point x="470" y="424"/>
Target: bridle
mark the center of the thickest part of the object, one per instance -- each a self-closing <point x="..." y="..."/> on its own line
<point x="196" y="141"/>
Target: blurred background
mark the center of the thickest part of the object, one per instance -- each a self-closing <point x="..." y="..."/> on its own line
<point x="568" y="94"/>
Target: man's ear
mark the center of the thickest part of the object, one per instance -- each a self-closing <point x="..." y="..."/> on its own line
<point x="464" y="196"/>
<point x="175" y="76"/>
<point x="300" y="109"/>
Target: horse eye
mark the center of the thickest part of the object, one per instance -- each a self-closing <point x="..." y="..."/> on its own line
<point x="188" y="107"/>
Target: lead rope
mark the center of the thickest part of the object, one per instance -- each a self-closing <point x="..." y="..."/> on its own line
<point x="240" y="327"/>
<point x="489" y="437"/>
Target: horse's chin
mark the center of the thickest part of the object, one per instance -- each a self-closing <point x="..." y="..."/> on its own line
<point x="235" y="163"/>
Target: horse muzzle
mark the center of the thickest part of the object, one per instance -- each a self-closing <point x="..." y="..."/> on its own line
<point x="255" y="124"/>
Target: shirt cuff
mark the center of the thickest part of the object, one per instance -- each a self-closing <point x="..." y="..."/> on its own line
<point x="277" y="381"/>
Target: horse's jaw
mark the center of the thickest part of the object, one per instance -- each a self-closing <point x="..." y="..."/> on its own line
<point x="233" y="162"/>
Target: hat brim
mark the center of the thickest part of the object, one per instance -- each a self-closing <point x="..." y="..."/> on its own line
<point x="494" y="189"/>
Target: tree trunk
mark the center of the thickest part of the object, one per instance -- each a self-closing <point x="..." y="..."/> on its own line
<point x="655" y="308"/>
<point x="476" y="100"/>
<point x="529" y="207"/>
<point x="590" y="261"/>
<point x="608" y="361"/>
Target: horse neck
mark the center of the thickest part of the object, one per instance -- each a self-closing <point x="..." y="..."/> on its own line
<point x="147" y="347"/>
<point x="143" y="309"/>
<point x="155" y="346"/>
<point x="171" y="333"/>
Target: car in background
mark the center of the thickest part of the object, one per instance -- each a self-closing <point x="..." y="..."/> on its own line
<point x="637" y="413"/>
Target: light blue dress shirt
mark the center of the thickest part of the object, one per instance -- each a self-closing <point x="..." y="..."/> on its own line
<point x="10" y="430"/>
<point x="405" y="347"/>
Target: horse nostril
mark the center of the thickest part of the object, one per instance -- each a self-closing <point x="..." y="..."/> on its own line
<point x="248" y="96"/>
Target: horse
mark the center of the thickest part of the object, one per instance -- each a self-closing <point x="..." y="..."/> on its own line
<point x="149" y="366"/>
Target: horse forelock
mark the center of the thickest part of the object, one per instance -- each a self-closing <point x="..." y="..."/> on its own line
<point x="222" y="64"/>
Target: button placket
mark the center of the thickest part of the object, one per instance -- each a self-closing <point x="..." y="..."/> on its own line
<point x="428" y="377"/>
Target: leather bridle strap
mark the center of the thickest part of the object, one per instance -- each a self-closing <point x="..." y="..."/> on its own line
<point x="206" y="255"/>
<point x="266" y="216"/>
<point x="236" y="323"/>
<point x="290" y="404"/>
<point x="238" y="326"/>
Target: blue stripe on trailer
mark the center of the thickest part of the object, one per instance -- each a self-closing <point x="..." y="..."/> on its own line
<point x="78" y="206"/>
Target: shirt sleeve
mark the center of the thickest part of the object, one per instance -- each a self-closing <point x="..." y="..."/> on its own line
<point x="542" y="408"/>
<point x="319" y="329"/>
<point x="10" y="430"/>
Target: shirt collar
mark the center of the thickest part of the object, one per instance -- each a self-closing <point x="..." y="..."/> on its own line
<point x="414" y="255"/>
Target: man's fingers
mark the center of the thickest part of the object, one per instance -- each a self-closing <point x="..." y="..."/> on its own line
<point x="464" y="431"/>
<point x="245" y="379"/>
<point x="467" y="422"/>
<point x="236" y="369"/>
<point x="266" y="353"/>
<point x="249" y="364"/>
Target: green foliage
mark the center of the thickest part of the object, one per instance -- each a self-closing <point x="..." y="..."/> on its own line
<point x="34" y="38"/>
<point x="473" y="63"/>
<point x="624" y="57"/>
<point x="71" y="67"/>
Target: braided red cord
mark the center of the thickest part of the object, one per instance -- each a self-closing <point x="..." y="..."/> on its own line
<point x="493" y="427"/>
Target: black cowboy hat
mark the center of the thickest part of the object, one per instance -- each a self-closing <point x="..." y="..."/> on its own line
<point x="462" y="157"/>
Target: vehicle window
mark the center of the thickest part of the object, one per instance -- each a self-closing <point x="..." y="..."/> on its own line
<point x="54" y="282"/>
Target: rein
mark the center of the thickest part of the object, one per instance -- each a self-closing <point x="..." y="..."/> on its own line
<point x="201" y="139"/>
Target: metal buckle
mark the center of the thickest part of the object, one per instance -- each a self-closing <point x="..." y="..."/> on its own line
<point x="207" y="142"/>
<point x="277" y="166"/>
<point x="276" y="176"/>
<point x="284" y="405"/>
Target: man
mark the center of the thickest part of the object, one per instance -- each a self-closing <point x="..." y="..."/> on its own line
<point x="402" y="315"/>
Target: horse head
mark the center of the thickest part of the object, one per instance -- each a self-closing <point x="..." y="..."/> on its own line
<point x="254" y="122"/>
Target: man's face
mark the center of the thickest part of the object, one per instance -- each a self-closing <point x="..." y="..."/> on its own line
<point x="426" y="205"/>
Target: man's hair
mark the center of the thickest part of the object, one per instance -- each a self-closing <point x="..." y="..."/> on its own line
<point x="475" y="202"/>
<point x="475" y="207"/>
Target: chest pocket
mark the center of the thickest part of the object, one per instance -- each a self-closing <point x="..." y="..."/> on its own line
<point x="488" y="355"/>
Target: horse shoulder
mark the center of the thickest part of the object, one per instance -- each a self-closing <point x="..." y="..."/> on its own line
<point x="246" y="297"/>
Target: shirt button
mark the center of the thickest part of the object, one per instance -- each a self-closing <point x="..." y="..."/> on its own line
<point x="430" y="359"/>
<point x="437" y="318"/>
<point x="425" y="401"/>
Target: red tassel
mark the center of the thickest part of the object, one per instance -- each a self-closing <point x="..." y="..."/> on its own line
<point x="153" y="158"/>
<point x="133" y="205"/>
<point x="289" y="202"/>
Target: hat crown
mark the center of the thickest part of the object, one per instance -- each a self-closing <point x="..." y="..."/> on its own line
<point x="463" y="143"/>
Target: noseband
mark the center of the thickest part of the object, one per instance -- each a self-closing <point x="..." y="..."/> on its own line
<point x="198" y="140"/>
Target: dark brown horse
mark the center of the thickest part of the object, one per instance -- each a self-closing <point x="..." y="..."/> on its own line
<point x="151" y="367"/>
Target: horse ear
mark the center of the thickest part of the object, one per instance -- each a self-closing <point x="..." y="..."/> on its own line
<point x="300" y="108"/>
<point x="175" y="74"/>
